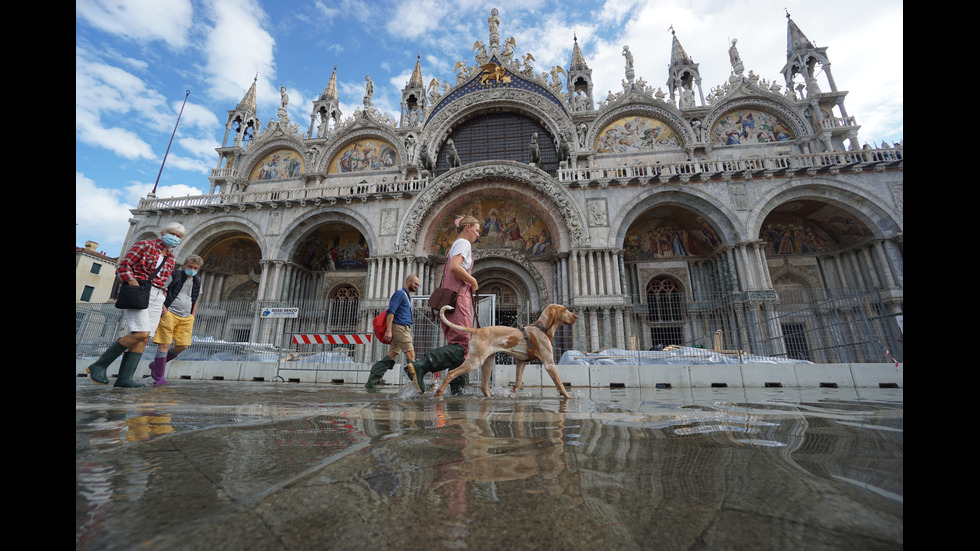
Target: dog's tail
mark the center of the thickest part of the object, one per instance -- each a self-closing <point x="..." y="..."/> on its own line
<point x="442" y="316"/>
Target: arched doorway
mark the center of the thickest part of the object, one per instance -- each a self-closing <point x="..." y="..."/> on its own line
<point x="232" y="268"/>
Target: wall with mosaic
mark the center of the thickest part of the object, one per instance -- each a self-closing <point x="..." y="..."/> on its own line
<point x="364" y="155"/>
<point x="747" y="126"/>
<point x="333" y="247"/>
<point x="235" y="255"/>
<point x="810" y="227"/>
<point x="636" y="134"/>
<point x="505" y="224"/>
<point x="669" y="232"/>
<point x="284" y="163"/>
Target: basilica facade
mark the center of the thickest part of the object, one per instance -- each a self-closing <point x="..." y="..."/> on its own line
<point x="601" y="204"/>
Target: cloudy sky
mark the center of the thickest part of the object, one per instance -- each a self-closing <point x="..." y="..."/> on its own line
<point x="135" y="60"/>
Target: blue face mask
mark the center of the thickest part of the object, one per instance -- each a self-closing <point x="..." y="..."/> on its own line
<point x="191" y="273"/>
<point x="170" y="240"/>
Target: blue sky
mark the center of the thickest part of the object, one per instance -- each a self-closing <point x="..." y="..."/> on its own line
<point x="135" y="59"/>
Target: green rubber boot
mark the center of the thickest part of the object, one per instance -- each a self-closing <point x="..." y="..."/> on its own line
<point x="437" y="359"/>
<point x="378" y="371"/>
<point x="96" y="371"/>
<point x="130" y="361"/>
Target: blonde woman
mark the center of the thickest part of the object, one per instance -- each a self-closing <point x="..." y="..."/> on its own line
<point x="456" y="275"/>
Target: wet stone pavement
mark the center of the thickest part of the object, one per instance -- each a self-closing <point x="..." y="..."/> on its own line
<point x="256" y="465"/>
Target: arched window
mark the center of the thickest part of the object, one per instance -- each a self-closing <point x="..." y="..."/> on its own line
<point x="500" y="136"/>
<point x="665" y="311"/>
<point x="343" y="308"/>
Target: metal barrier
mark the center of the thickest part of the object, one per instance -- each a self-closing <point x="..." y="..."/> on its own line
<point x="823" y="326"/>
<point x="322" y="352"/>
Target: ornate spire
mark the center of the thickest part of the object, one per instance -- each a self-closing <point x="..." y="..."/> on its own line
<point x="330" y="92"/>
<point x="578" y="60"/>
<point x="684" y="76"/>
<point x="677" y="54"/>
<point x="416" y="80"/>
<point x="795" y="39"/>
<point x="248" y="102"/>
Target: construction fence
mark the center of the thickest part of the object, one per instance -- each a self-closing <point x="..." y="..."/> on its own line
<point x="825" y="326"/>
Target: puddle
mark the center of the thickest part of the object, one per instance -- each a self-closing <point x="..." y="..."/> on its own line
<point x="262" y="465"/>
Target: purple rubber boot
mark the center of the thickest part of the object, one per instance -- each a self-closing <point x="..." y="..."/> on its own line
<point x="157" y="367"/>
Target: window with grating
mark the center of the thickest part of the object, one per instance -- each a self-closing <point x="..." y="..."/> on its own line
<point x="499" y="136"/>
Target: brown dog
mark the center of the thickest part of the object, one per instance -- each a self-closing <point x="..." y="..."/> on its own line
<point x="534" y="342"/>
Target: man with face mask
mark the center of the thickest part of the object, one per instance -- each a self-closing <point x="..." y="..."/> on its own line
<point x="177" y="322"/>
<point x="153" y="258"/>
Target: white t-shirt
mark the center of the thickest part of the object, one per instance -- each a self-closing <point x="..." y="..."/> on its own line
<point x="462" y="247"/>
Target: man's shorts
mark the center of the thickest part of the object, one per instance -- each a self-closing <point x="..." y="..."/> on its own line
<point x="401" y="339"/>
<point x="174" y="328"/>
<point x="145" y="321"/>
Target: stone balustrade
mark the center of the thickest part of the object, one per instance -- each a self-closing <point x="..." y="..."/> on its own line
<point x="705" y="169"/>
<point x="573" y="177"/>
<point x="286" y="197"/>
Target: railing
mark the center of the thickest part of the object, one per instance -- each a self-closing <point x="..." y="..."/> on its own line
<point x="838" y="122"/>
<point x="285" y="197"/>
<point x="708" y="168"/>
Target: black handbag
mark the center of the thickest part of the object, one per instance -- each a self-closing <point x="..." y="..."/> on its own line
<point x="136" y="297"/>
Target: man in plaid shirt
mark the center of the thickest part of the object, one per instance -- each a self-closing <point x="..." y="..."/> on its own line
<point x="139" y="264"/>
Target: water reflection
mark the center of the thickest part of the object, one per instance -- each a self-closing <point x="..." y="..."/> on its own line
<point x="342" y="468"/>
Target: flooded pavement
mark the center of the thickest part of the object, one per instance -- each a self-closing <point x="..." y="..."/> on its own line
<point x="249" y="465"/>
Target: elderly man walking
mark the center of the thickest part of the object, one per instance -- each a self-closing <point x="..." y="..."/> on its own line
<point x="398" y="332"/>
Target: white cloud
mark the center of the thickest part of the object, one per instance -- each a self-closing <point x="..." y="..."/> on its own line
<point x="100" y="213"/>
<point x="139" y="20"/>
<point x="238" y="49"/>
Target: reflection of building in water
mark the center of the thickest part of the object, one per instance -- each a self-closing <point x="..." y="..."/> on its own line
<point x="737" y="192"/>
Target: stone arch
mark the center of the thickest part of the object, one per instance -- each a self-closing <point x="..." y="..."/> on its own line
<point x="795" y="127"/>
<point x="788" y="272"/>
<point x="301" y="228"/>
<point x="724" y="222"/>
<point x="202" y="237"/>
<point x="515" y="270"/>
<point x="233" y="249"/>
<point x="522" y="276"/>
<point x="662" y="114"/>
<point x="346" y="138"/>
<point x="436" y="204"/>
<point x="549" y="113"/>
<point x="270" y="142"/>
<point x="882" y="221"/>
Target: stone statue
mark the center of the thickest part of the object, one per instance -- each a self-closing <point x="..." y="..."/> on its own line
<point x="410" y="147"/>
<point x="736" y="60"/>
<point x="369" y="87"/>
<point x="425" y="160"/>
<point x="535" y="152"/>
<point x="451" y="156"/>
<point x="493" y="21"/>
<point x="563" y="151"/>
<point x="283" y="102"/>
<point x="629" y="57"/>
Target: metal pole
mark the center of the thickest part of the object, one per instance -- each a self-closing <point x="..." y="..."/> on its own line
<point x="154" y="192"/>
